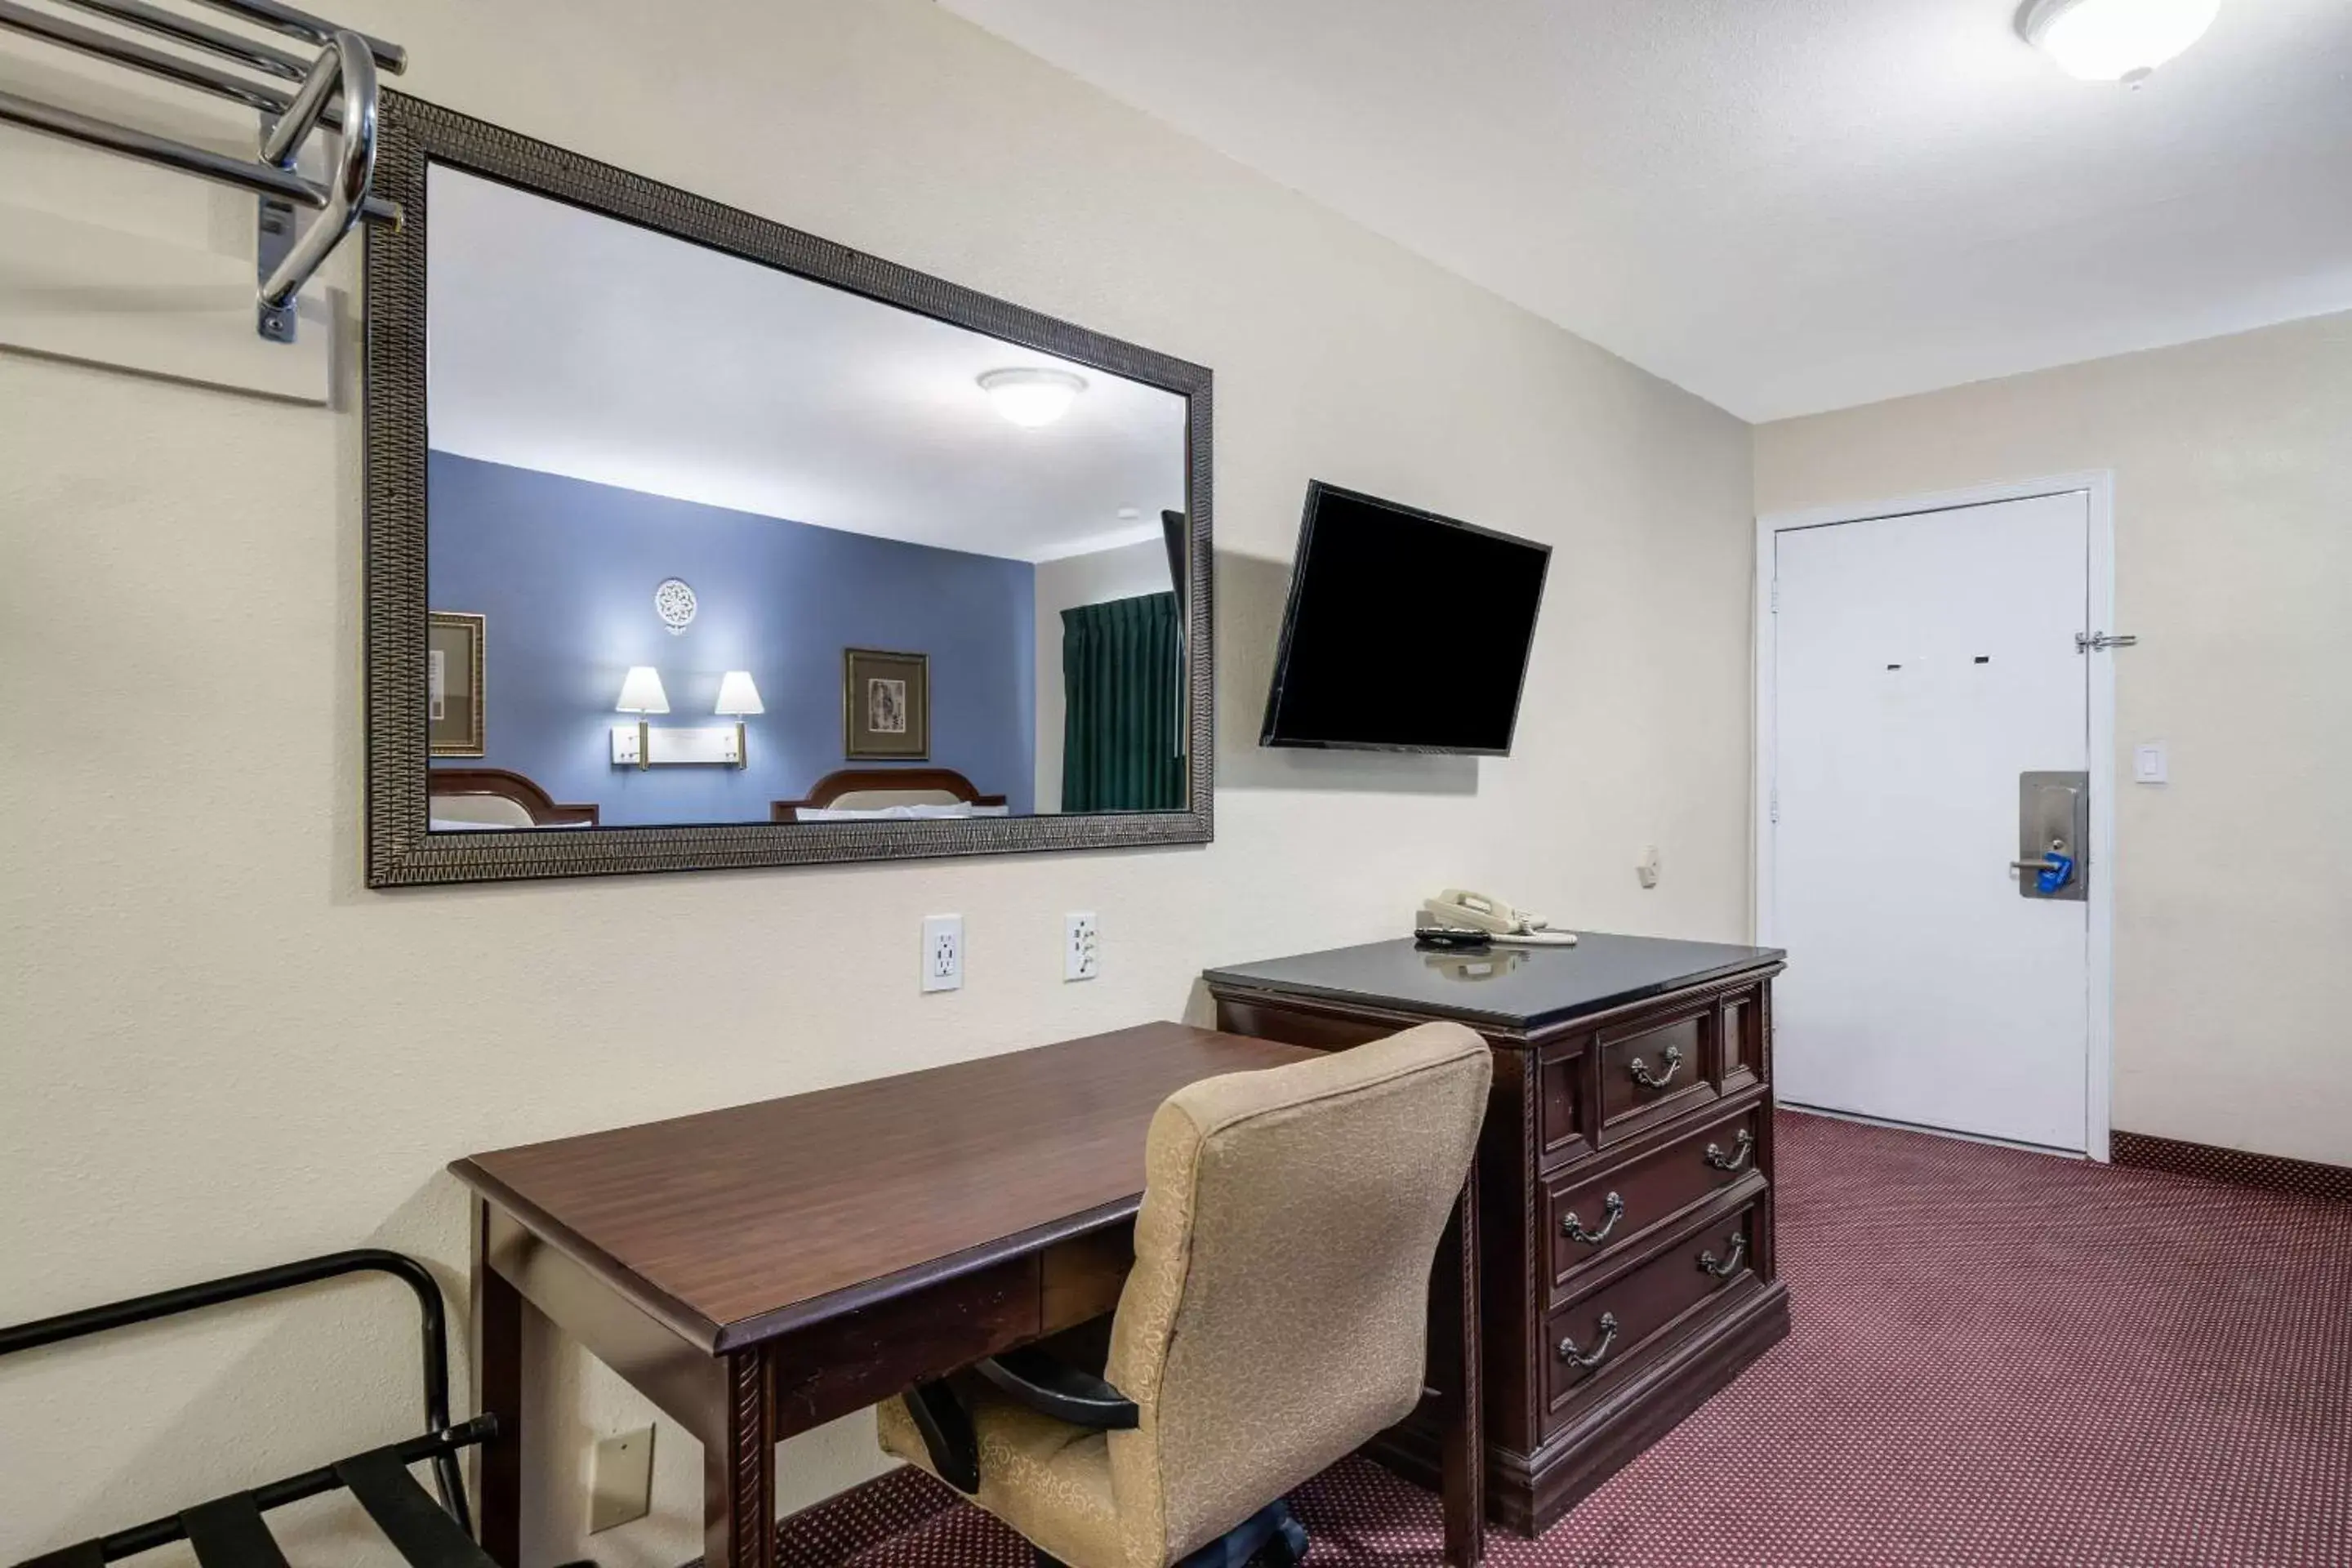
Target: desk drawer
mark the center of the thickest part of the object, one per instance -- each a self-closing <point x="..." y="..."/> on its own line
<point x="1591" y="1217"/>
<point x="1655" y="1069"/>
<point x="1593" y="1343"/>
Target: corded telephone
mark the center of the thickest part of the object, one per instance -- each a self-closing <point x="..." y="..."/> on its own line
<point x="1457" y="908"/>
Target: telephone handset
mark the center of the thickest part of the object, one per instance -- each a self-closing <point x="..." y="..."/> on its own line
<point x="1459" y="907"/>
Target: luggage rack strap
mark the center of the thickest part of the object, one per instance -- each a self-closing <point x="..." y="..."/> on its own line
<point x="228" y="1533"/>
<point x="419" y="1530"/>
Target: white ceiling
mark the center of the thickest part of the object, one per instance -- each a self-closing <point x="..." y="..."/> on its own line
<point x="1784" y="205"/>
<point x="575" y="344"/>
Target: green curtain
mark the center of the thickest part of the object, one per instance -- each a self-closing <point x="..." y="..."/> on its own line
<point x="1123" y="701"/>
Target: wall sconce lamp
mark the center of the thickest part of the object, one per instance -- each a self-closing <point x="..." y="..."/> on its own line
<point x="639" y="746"/>
<point x="738" y="697"/>
<point x="640" y="693"/>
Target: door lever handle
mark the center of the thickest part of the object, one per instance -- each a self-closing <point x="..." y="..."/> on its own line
<point x="2045" y="863"/>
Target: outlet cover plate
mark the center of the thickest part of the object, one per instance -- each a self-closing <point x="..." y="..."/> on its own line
<point x="1081" y="946"/>
<point x="621" y="1479"/>
<point x="942" y="952"/>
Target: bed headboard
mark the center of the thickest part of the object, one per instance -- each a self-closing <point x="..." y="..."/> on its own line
<point x="497" y="797"/>
<point x="870" y="789"/>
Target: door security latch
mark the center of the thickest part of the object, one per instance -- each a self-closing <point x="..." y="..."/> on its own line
<point x="2099" y="642"/>
<point x="2053" y="834"/>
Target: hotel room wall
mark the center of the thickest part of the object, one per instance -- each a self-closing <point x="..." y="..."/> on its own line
<point x="2234" y="567"/>
<point x="223" y="1049"/>
<point x="565" y="570"/>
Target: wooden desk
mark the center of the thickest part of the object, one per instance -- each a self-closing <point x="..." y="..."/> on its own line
<point x="760" y="1270"/>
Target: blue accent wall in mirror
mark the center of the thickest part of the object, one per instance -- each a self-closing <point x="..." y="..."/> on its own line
<point x="563" y="571"/>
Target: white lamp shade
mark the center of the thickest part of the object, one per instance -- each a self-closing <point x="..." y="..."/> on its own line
<point x="2115" y="40"/>
<point x="737" y="694"/>
<point x="641" y="692"/>
<point x="1031" y="398"/>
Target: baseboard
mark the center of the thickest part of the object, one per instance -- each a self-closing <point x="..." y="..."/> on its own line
<point x="1892" y="1125"/>
<point x="2239" y="1167"/>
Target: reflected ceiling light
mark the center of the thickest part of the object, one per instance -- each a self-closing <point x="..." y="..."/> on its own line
<point x="2115" y="40"/>
<point x="1031" y="397"/>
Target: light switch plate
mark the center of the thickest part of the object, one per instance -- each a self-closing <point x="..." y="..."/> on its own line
<point x="943" y="953"/>
<point x="2150" y="764"/>
<point x="621" y="1479"/>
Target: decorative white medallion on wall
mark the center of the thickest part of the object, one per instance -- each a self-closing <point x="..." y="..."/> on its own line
<point x="675" y="602"/>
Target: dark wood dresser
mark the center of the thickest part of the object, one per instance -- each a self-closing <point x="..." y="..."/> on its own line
<point x="1625" y="1181"/>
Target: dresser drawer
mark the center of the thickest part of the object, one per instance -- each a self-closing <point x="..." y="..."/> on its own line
<point x="1594" y="1342"/>
<point x="1655" y="1069"/>
<point x="1591" y="1217"/>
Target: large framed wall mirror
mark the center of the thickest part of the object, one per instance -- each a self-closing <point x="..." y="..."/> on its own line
<point x="768" y="551"/>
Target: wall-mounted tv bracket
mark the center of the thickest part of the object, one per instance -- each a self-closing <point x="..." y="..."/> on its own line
<point x="335" y="87"/>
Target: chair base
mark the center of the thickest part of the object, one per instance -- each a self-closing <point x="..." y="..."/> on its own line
<point x="1272" y="1536"/>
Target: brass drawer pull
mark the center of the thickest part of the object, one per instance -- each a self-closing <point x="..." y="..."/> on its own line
<point x="1569" y="1353"/>
<point x="1573" y="1228"/>
<point x="1643" y="1076"/>
<point x="1724" y="1269"/>
<point x="1743" y="1149"/>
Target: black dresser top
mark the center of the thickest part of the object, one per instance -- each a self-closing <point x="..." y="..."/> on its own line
<point x="1522" y="988"/>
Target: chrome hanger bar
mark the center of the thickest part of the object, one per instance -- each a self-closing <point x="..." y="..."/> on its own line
<point x="261" y="179"/>
<point x="338" y="90"/>
<point x="179" y="68"/>
<point x="311" y="29"/>
<point x="265" y="57"/>
<point x="347" y="62"/>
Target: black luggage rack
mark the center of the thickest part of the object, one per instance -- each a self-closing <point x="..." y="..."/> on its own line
<point x="228" y="1531"/>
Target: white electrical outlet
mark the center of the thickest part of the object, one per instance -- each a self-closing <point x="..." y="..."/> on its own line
<point x="942" y="952"/>
<point x="1081" y="948"/>
<point x="621" y="1479"/>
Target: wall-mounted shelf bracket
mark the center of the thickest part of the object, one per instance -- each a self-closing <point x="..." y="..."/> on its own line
<point x="336" y="87"/>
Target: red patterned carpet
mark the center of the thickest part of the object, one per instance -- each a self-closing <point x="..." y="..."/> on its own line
<point x="1999" y="1360"/>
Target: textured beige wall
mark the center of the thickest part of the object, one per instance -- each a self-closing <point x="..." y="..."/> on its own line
<point x="220" y="1049"/>
<point x="2232" y="460"/>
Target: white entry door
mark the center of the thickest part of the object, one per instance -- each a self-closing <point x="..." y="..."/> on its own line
<point x="1921" y="663"/>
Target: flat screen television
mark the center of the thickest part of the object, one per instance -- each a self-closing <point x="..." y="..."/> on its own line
<point x="1405" y="632"/>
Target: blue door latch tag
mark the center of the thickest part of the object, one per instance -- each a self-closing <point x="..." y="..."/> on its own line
<point x="2056" y="874"/>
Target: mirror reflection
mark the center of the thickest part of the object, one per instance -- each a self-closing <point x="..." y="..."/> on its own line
<point x="712" y="543"/>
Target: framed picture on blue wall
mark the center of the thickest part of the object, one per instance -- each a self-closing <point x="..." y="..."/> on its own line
<point x="885" y="705"/>
<point x="453" y="683"/>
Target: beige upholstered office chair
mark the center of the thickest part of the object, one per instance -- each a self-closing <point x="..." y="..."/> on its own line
<point x="1275" y="1319"/>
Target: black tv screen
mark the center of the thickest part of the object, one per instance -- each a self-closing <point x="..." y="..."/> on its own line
<point x="1406" y="631"/>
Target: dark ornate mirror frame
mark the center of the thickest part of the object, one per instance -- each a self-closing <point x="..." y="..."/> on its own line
<point x="401" y="847"/>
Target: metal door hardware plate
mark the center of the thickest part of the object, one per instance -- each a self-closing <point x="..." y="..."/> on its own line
<point x="275" y="238"/>
<point x="2054" y="816"/>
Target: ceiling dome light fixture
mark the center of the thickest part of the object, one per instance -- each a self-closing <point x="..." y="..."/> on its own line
<point x="2115" y="40"/>
<point x="1031" y="398"/>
